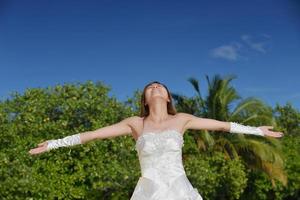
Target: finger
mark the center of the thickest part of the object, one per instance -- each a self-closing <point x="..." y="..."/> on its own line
<point x="277" y="134"/>
<point x="280" y="133"/>
<point x="270" y="127"/>
<point x="35" y="151"/>
<point x="273" y="134"/>
<point x="41" y="144"/>
<point x="32" y="151"/>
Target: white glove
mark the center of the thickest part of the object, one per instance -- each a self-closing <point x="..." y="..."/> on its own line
<point x="239" y="128"/>
<point x="64" y="142"/>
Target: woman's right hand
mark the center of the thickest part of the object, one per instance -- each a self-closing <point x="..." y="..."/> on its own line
<point x="42" y="147"/>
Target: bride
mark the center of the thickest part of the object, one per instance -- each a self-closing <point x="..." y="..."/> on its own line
<point x="158" y="133"/>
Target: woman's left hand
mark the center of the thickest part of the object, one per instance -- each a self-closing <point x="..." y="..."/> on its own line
<point x="267" y="132"/>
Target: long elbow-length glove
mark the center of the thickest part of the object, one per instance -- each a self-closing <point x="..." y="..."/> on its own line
<point x="239" y="128"/>
<point x="64" y="142"/>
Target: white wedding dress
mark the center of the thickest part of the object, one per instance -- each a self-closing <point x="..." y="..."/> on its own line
<point x="163" y="176"/>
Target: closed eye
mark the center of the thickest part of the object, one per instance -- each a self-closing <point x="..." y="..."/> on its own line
<point x="151" y="86"/>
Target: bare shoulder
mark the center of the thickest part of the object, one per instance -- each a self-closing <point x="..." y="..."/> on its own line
<point x="184" y="116"/>
<point x="135" y="123"/>
<point x="132" y="121"/>
<point x="184" y="119"/>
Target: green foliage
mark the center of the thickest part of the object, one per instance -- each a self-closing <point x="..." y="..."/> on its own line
<point x="215" y="176"/>
<point x="291" y="151"/>
<point x="259" y="153"/>
<point x="109" y="169"/>
<point x="267" y="163"/>
<point x="288" y="118"/>
<point x="106" y="169"/>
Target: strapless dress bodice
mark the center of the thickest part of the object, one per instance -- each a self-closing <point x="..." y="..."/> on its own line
<point x="163" y="175"/>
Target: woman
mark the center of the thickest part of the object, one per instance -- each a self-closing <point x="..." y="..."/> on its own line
<point x="159" y="139"/>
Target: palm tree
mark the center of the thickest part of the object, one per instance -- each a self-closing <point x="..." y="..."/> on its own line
<point x="257" y="152"/>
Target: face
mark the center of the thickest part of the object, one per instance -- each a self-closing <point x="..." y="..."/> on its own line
<point x="154" y="90"/>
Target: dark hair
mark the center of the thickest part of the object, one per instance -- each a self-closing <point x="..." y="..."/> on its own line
<point x="145" y="108"/>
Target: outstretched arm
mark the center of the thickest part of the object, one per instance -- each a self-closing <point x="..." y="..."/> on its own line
<point x="121" y="128"/>
<point x="193" y="122"/>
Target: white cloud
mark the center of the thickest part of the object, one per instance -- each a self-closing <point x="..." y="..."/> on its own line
<point x="258" y="46"/>
<point x="233" y="50"/>
<point x="228" y="52"/>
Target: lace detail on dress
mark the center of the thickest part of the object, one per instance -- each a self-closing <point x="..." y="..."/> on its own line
<point x="159" y="137"/>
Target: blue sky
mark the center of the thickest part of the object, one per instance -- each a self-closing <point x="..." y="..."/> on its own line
<point x="126" y="44"/>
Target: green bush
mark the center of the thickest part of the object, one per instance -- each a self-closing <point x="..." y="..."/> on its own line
<point x="107" y="169"/>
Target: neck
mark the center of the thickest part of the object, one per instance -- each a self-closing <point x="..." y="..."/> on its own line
<point x="158" y="112"/>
